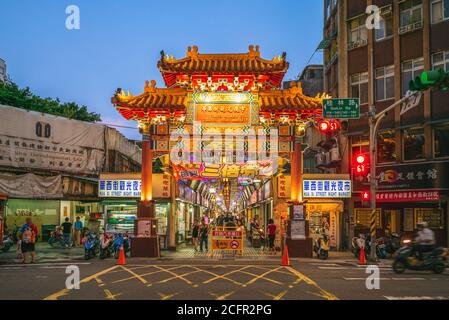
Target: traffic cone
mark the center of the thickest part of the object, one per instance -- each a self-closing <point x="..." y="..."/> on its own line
<point x="285" y="262"/>
<point x="121" y="257"/>
<point x="362" y="260"/>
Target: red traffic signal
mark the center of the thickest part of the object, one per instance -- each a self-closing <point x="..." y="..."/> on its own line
<point x="366" y="196"/>
<point x="328" y="126"/>
<point x="361" y="163"/>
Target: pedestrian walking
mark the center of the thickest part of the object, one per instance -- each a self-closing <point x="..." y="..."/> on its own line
<point x="195" y="234"/>
<point x="78" y="229"/>
<point x="28" y="237"/>
<point x="204" y="233"/>
<point x="271" y="230"/>
<point x="67" y="232"/>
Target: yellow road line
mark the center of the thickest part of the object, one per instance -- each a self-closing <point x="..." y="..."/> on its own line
<point x="222" y="297"/>
<point x="135" y="275"/>
<point x="64" y="292"/>
<point x="265" y="278"/>
<point x="175" y="275"/>
<point x="224" y="276"/>
<point x="146" y="274"/>
<point x="168" y="296"/>
<point x="178" y="276"/>
<point x="322" y="293"/>
<point x="278" y="296"/>
<point x="262" y="276"/>
<point x="111" y="296"/>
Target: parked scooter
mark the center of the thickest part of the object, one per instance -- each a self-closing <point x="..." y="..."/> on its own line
<point x="106" y="247"/>
<point x="434" y="260"/>
<point x="7" y="243"/>
<point x="392" y="244"/>
<point x="121" y="240"/>
<point x="321" y="246"/>
<point x="56" y="238"/>
<point x="90" y="246"/>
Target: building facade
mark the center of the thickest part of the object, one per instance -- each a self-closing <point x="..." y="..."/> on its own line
<point x="49" y="168"/>
<point x="3" y="74"/>
<point x="376" y="65"/>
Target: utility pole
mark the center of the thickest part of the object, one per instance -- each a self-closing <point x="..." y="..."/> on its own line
<point x="410" y="100"/>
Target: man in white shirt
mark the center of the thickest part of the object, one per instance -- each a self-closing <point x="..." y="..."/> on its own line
<point x="425" y="240"/>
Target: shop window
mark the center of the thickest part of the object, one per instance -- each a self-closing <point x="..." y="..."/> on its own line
<point x="362" y="218"/>
<point x="359" y="87"/>
<point x="385" y="30"/>
<point x="385" y="83"/>
<point x="441" y="140"/>
<point x="410" y="70"/>
<point x="433" y="216"/>
<point x="440" y="60"/>
<point x="440" y="10"/>
<point x="386" y="147"/>
<point x="413" y="143"/>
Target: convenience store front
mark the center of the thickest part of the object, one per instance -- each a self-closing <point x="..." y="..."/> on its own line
<point x="121" y="193"/>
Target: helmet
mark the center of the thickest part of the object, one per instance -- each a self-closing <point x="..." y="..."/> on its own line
<point x="425" y="224"/>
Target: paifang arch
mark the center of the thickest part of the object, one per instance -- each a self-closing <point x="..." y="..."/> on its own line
<point x="221" y="119"/>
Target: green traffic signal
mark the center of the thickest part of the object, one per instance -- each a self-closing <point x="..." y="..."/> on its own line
<point x="431" y="79"/>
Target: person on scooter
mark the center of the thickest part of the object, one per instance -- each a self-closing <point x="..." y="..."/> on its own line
<point x="424" y="241"/>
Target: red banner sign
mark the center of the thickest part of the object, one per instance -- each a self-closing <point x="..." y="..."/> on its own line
<point x="228" y="234"/>
<point x="408" y="196"/>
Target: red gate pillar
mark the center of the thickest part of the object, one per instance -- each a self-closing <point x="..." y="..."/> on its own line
<point x="146" y="247"/>
<point x="297" y="248"/>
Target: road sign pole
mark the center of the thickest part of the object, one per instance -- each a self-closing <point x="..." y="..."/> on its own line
<point x="374" y="121"/>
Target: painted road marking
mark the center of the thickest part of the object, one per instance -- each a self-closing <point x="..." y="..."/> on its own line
<point x="65" y="292"/>
<point x="416" y="298"/>
<point x="205" y="269"/>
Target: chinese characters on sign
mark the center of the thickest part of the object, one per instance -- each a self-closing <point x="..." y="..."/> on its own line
<point x="119" y="188"/>
<point x="409" y="196"/>
<point x="327" y="188"/>
<point x="341" y="108"/>
<point x="131" y="188"/>
<point x="284" y="185"/>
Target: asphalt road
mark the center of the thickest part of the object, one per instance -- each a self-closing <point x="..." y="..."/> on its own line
<point x="216" y="280"/>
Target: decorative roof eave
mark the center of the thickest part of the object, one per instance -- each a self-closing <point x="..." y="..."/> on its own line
<point x="250" y="62"/>
<point x="293" y="98"/>
<point x="152" y="97"/>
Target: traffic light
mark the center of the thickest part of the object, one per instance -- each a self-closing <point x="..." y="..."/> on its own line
<point x="328" y="126"/>
<point x="366" y="195"/>
<point x="438" y="79"/>
<point x="361" y="163"/>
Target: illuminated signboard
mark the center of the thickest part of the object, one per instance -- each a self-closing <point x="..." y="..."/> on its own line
<point x="131" y="188"/>
<point x="327" y="188"/>
<point x="223" y="108"/>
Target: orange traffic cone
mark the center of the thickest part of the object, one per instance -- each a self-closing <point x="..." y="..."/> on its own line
<point x="362" y="260"/>
<point x="121" y="257"/>
<point x="285" y="262"/>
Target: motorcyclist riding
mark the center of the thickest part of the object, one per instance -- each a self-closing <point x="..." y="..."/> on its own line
<point x="424" y="241"/>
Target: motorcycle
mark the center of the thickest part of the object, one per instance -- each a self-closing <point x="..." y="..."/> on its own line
<point x="321" y="247"/>
<point x="7" y="243"/>
<point x="392" y="244"/>
<point x="56" y="238"/>
<point x="90" y="246"/>
<point x="434" y="261"/>
<point x="106" y="247"/>
<point x="365" y="241"/>
<point x="121" y="240"/>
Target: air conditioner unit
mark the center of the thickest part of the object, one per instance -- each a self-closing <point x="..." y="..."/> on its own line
<point x="334" y="155"/>
<point x="322" y="159"/>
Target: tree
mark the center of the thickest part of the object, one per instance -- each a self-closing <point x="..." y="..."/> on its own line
<point x="12" y="95"/>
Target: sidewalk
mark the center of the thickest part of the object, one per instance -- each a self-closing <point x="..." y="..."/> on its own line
<point x="45" y="253"/>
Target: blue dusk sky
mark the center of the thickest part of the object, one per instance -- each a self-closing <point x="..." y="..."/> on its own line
<point x="119" y="42"/>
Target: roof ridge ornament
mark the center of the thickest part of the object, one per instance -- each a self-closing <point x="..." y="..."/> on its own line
<point x="150" y="86"/>
<point x="192" y="51"/>
<point x="296" y="88"/>
<point x="254" y="52"/>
